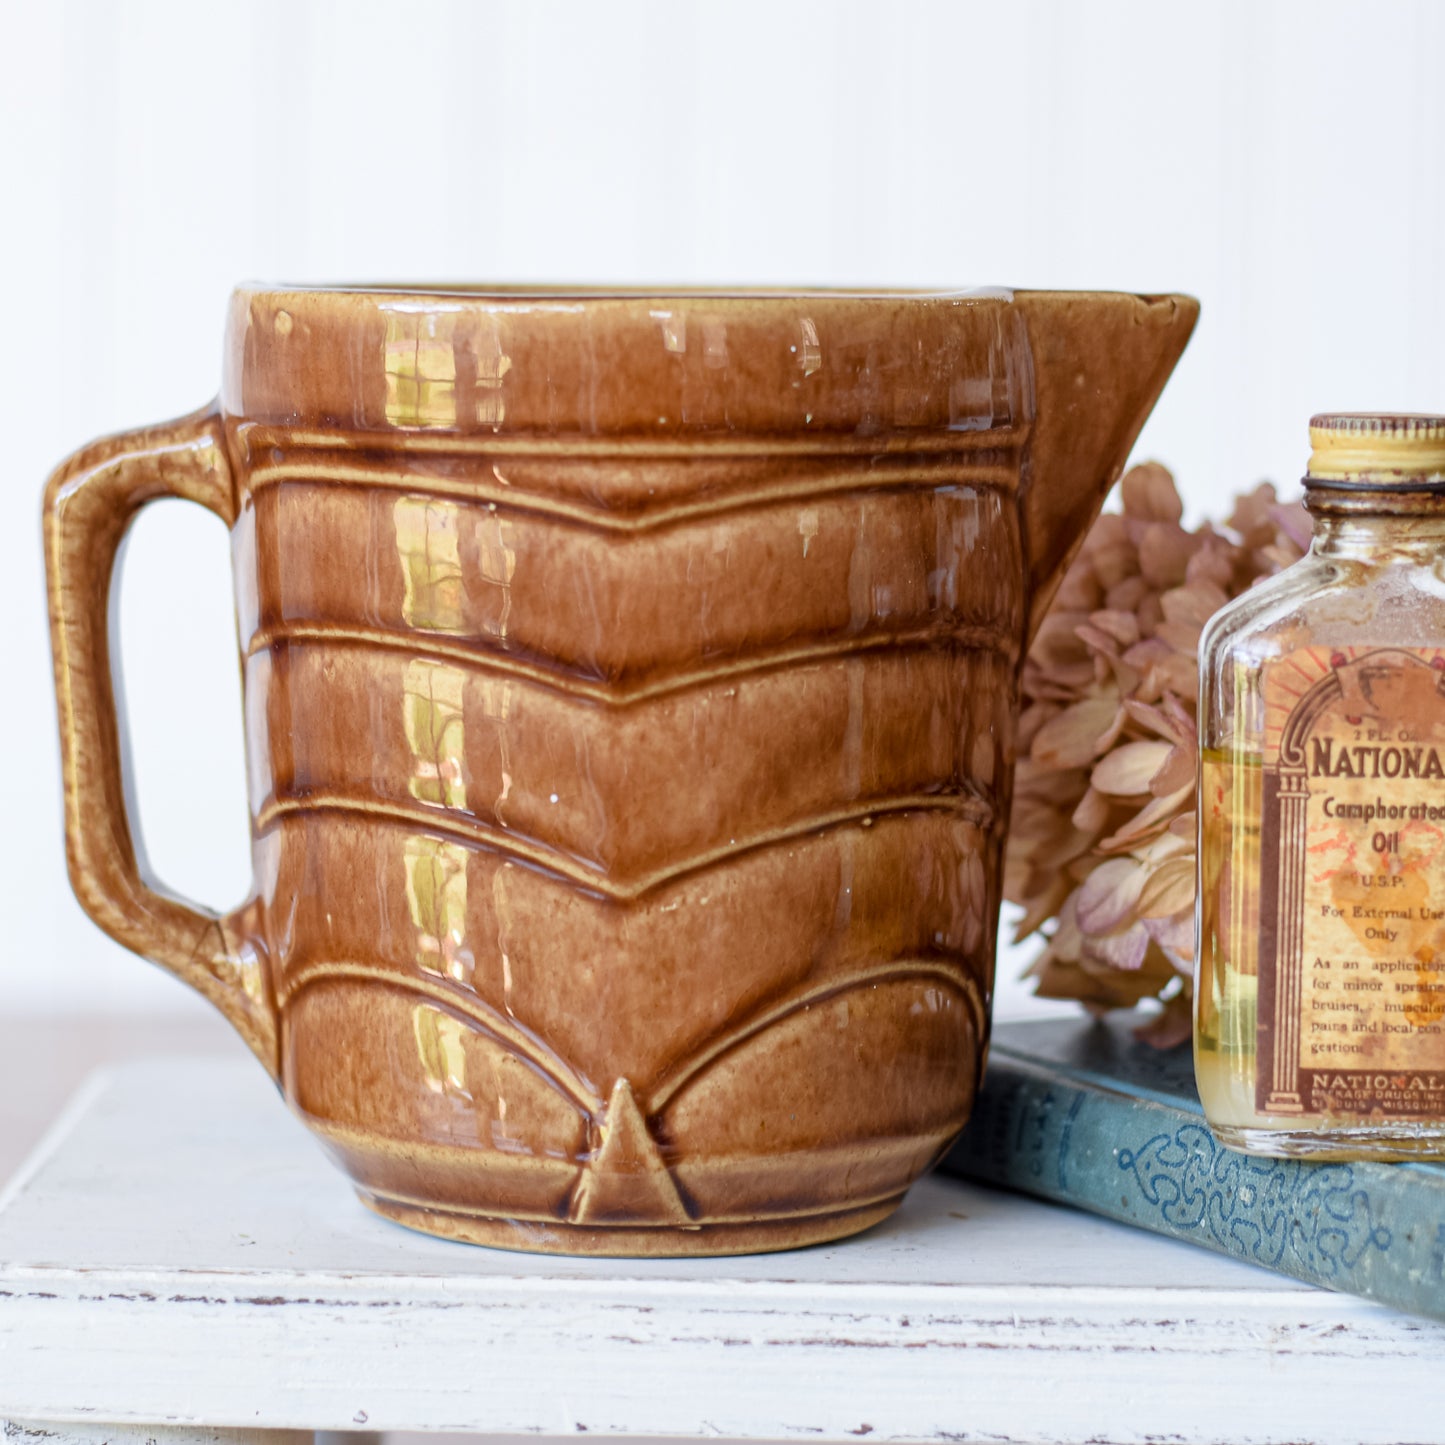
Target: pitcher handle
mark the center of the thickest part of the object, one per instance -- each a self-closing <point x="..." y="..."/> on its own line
<point x="90" y="502"/>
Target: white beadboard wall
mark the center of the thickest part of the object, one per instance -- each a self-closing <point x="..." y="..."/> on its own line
<point x="1285" y="162"/>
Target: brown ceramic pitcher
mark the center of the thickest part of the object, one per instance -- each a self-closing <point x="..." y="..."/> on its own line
<point x="630" y="685"/>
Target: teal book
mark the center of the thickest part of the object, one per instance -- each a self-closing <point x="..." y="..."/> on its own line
<point x="1081" y="1113"/>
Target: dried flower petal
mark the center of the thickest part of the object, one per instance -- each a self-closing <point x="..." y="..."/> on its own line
<point x="1175" y="935"/>
<point x="1126" y="596"/>
<point x="1166" y="846"/>
<point x="1067" y="940"/>
<point x="1181" y="636"/>
<point x="1110" y="895"/>
<point x="1164" y="553"/>
<point x="1212" y="563"/>
<point x="1056" y="643"/>
<point x="1030" y="721"/>
<point x="1157" y="720"/>
<point x="1177" y="771"/>
<point x="1092" y="814"/>
<point x="1127" y="771"/>
<point x="1294" y="524"/>
<point x="1150" y="820"/>
<point x="1123" y="627"/>
<point x="1078" y="734"/>
<point x="1148" y="492"/>
<point x="1125" y="949"/>
<point x="1251" y="517"/>
<point x="1045" y="905"/>
<point x="1178" y="673"/>
<point x="1196" y="603"/>
<point x="1101" y="849"/>
<point x="1168" y="889"/>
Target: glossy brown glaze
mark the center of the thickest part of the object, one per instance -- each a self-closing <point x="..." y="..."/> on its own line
<point x="630" y="686"/>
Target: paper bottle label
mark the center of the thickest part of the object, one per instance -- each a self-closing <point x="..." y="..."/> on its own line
<point x="1352" y="955"/>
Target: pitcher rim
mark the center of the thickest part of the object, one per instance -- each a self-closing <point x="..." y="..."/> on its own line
<point x="515" y="293"/>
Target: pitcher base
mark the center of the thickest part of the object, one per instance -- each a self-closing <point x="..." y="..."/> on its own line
<point x="763" y="1236"/>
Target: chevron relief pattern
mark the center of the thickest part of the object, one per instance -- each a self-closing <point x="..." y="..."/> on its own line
<point x="662" y="1160"/>
<point x="658" y="817"/>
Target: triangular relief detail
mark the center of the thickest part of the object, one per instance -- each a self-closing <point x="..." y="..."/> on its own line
<point x="626" y="1181"/>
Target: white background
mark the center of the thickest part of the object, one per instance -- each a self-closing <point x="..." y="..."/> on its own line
<point x="1284" y="162"/>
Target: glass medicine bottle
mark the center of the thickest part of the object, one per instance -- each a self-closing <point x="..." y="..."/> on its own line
<point x="1320" y="992"/>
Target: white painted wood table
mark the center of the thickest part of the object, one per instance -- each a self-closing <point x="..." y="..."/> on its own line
<point x="179" y="1261"/>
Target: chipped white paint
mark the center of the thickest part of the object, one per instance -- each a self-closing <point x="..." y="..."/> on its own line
<point x="20" y="1432"/>
<point x="180" y="1254"/>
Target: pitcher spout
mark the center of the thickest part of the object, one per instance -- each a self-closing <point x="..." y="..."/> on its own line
<point x="1099" y="362"/>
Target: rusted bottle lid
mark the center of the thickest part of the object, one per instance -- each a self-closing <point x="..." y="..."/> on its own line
<point x="1377" y="451"/>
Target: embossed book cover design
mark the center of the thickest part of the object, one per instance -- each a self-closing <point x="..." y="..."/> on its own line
<point x="1081" y="1113"/>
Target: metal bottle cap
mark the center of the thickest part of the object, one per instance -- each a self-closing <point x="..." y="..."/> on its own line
<point x="1377" y="451"/>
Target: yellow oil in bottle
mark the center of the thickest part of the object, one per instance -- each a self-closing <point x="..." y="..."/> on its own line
<point x="1231" y="797"/>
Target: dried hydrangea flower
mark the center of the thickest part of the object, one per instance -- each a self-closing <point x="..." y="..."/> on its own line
<point x="1101" y="844"/>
